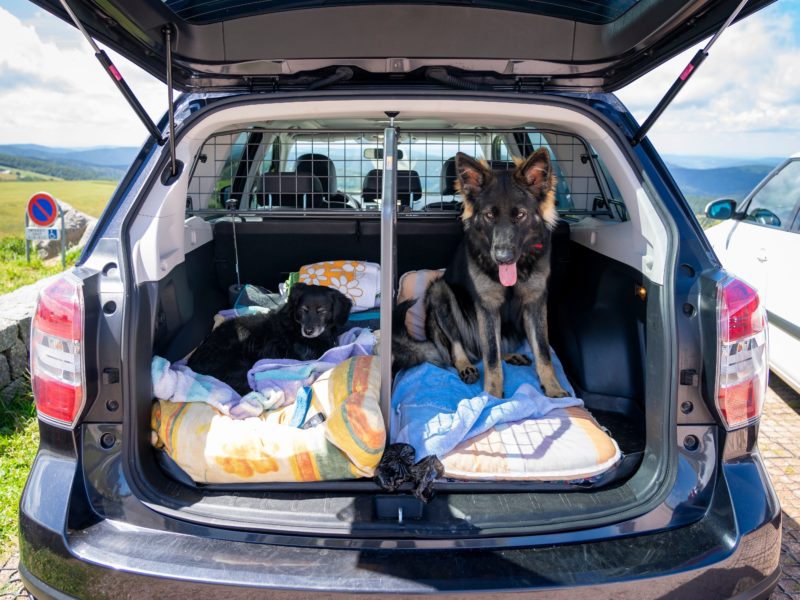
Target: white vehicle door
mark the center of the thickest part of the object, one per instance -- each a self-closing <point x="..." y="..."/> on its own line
<point x="764" y="249"/>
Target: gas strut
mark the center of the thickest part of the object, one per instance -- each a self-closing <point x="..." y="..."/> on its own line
<point x="696" y="61"/>
<point x="127" y="93"/>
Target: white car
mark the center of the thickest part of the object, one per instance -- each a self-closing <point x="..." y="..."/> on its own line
<point x="759" y="241"/>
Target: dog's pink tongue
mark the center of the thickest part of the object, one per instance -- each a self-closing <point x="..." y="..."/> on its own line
<point x="508" y="274"/>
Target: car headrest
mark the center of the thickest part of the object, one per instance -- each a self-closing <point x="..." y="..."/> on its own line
<point x="501" y="165"/>
<point x="449" y="176"/>
<point x="409" y="186"/>
<point x="291" y="190"/>
<point x="321" y="166"/>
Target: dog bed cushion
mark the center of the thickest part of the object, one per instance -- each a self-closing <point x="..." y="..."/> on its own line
<point x="214" y="448"/>
<point x="552" y="443"/>
<point x="412" y="286"/>
<point x="567" y="444"/>
<point x="356" y="279"/>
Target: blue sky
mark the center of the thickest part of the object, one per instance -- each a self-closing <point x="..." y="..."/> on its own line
<point x="743" y="102"/>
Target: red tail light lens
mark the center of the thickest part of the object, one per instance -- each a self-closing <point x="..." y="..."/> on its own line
<point x="743" y="368"/>
<point x="57" y="373"/>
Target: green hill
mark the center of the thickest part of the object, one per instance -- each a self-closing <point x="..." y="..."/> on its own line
<point x="62" y="169"/>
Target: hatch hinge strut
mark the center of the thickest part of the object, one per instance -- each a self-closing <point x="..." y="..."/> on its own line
<point x="116" y="77"/>
<point x="687" y="72"/>
<point x="167" y="31"/>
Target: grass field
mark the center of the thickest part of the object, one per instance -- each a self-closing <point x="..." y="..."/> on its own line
<point x="87" y="196"/>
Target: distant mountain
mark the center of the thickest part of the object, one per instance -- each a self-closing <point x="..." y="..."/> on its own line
<point x="101" y="156"/>
<point x="715" y="162"/>
<point x="731" y="182"/>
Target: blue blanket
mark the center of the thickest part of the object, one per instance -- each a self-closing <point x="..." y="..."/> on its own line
<point x="434" y="411"/>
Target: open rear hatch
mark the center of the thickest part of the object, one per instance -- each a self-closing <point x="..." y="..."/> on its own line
<point x="567" y="45"/>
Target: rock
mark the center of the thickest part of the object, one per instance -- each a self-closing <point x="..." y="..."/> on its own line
<point x="87" y="233"/>
<point x="17" y="358"/>
<point x="8" y="334"/>
<point x="5" y="372"/>
<point x="75" y="223"/>
<point x="18" y="387"/>
<point x="25" y="330"/>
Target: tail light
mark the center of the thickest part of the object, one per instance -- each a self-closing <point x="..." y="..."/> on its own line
<point x="742" y="372"/>
<point x="57" y="366"/>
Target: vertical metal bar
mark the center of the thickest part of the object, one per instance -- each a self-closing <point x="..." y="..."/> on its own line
<point x="27" y="241"/>
<point x="388" y="262"/>
<point x="63" y="239"/>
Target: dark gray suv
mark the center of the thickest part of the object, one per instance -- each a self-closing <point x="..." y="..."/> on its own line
<point x="298" y="122"/>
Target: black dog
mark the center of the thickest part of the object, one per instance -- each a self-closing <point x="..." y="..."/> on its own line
<point x="495" y="290"/>
<point x="303" y="328"/>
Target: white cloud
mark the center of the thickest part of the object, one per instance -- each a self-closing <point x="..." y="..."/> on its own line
<point x="743" y="101"/>
<point x="54" y="92"/>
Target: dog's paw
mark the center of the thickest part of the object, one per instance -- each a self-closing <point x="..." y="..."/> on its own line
<point x="469" y="374"/>
<point x="555" y="391"/>
<point x="519" y="360"/>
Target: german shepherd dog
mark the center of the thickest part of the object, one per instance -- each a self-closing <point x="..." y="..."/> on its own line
<point x="494" y="293"/>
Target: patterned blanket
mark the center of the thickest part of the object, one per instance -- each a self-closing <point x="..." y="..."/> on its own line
<point x="340" y="435"/>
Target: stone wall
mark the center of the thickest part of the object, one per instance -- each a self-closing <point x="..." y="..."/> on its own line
<point x="16" y="311"/>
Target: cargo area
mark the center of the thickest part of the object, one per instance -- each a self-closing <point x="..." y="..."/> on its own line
<point x="290" y="210"/>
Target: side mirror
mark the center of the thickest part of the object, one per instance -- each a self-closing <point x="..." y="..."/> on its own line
<point x="721" y="209"/>
<point x="765" y="216"/>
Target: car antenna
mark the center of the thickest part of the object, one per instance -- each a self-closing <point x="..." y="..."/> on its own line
<point x="116" y="77"/>
<point x="687" y="72"/>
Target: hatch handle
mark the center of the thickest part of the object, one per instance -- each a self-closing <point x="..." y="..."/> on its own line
<point x="687" y="72"/>
<point x="116" y="77"/>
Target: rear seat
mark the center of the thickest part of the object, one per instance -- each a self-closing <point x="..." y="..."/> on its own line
<point x="290" y="189"/>
<point x="409" y="186"/>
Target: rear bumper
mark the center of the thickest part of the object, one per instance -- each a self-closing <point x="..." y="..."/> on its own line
<point x="733" y="551"/>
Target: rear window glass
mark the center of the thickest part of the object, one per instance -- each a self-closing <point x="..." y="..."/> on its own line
<point x="585" y="11"/>
<point x="313" y="170"/>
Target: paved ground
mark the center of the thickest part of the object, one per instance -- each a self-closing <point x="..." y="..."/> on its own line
<point x="779" y="440"/>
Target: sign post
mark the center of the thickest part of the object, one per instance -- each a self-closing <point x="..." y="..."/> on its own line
<point x="42" y="212"/>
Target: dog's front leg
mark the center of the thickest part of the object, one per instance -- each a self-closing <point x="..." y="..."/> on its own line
<point x="535" y="317"/>
<point x="489" y="335"/>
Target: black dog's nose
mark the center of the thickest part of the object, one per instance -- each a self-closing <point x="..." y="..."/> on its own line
<point x="308" y="330"/>
<point x="504" y="256"/>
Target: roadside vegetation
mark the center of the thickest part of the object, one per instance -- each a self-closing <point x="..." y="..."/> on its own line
<point x="15" y="271"/>
<point x="19" y="439"/>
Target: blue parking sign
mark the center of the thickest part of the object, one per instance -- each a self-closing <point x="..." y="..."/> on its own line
<point x="52" y="234"/>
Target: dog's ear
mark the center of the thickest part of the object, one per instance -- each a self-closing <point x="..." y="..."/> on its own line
<point x="536" y="173"/>
<point x="472" y="178"/>
<point x="341" y="308"/>
<point x="295" y="295"/>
